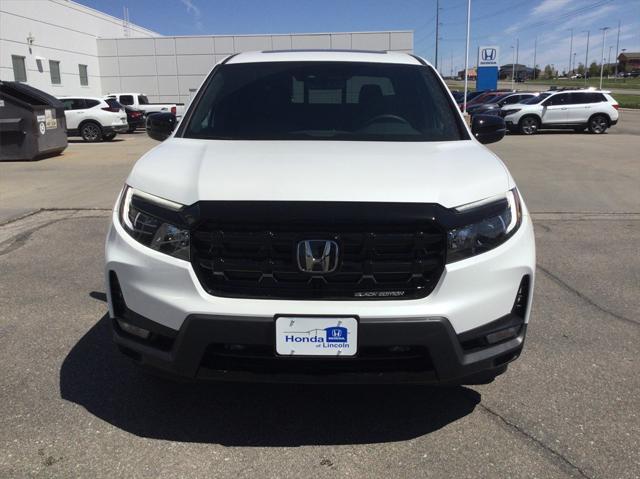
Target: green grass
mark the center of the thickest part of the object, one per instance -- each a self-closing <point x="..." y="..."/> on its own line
<point x="621" y="83"/>
<point x="627" y="101"/>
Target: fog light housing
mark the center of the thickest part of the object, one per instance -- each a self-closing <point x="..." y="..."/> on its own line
<point x="133" y="330"/>
<point x="502" y="335"/>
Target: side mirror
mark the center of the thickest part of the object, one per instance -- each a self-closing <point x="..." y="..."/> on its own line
<point x="488" y="128"/>
<point x="160" y="125"/>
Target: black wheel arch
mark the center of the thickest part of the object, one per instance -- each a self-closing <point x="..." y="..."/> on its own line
<point x="84" y="122"/>
<point x="530" y="115"/>
<point x="605" y="115"/>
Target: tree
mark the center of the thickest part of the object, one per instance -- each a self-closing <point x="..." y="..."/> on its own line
<point x="580" y="68"/>
<point x="548" y="72"/>
<point x="594" y="69"/>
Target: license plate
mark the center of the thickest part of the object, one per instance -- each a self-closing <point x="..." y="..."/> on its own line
<point x="316" y="336"/>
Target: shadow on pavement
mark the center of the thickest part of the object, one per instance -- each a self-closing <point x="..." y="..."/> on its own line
<point x="81" y="141"/>
<point x="95" y="376"/>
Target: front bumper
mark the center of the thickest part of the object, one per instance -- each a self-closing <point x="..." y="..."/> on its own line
<point x="115" y="128"/>
<point x="163" y="295"/>
<point x="420" y="350"/>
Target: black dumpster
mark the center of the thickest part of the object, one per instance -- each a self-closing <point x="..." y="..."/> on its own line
<point x="32" y="123"/>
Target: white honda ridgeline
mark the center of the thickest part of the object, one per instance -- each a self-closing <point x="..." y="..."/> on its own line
<point x="322" y="216"/>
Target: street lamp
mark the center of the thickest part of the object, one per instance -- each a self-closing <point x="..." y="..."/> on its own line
<point x="573" y="69"/>
<point x="609" y="62"/>
<point x="604" y="35"/>
<point x="513" y="67"/>
<point x="466" y="57"/>
<point x="586" y="59"/>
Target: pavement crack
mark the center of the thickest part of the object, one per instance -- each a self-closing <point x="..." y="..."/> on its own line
<point x="19" y="240"/>
<point x="585" y="298"/>
<point x="549" y="450"/>
<point x="21" y="217"/>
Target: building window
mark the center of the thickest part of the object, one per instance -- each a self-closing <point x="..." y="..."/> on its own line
<point x="84" y="77"/>
<point x="19" y="70"/>
<point x="54" y="69"/>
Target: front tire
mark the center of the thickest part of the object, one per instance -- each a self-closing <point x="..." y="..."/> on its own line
<point x="529" y="125"/>
<point x="91" y="132"/>
<point x="598" y="124"/>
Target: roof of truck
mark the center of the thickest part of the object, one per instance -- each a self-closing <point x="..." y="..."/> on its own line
<point x="324" y="56"/>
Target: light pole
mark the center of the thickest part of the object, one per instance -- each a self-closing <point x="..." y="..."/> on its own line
<point x="615" y="77"/>
<point x="437" y="29"/>
<point x="586" y="60"/>
<point x="573" y="68"/>
<point x="609" y="62"/>
<point x="451" y="65"/>
<point x="604" y="35"/>
<point x="513" y="66"/>
<point x="535" y="51"/>
<point x="466" y="57"/>
<point x="517" y="50"/>
<point x="570" y="49"/>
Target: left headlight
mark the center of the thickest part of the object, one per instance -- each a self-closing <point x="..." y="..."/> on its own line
<point x="154" y="222"/>
<point x="502" y="219"/>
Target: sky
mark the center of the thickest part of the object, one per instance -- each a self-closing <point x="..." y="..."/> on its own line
<point x="504" y="23"/>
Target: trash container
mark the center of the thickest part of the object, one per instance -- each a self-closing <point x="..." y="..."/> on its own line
<point x="32" y="123"/>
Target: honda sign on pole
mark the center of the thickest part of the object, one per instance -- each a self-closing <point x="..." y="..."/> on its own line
<point x="488" y="66"/>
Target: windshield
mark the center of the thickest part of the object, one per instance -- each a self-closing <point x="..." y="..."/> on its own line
<point x="496" y="98"/>
<point x="143" y="100"/>
<point x="113" y="103"/>
<point x="324" y="100"/>
<point x="535" y="99"/>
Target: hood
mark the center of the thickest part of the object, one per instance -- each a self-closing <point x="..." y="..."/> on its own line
<point x="515" y="105"/>
<point x="449" y="173"/>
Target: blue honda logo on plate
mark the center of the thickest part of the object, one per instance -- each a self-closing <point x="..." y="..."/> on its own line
<point x="488" y="54"/>
<point x="336" y="334"/>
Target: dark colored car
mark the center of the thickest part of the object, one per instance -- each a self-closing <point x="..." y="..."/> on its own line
<point x="496" y="102"/>
<point x="479" y="97"/>
<point x="135" y="118"/>
<point x="458" y="96"/>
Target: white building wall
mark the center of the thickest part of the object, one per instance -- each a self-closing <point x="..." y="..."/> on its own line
<point x="167" y="68"/>
<point x="64" y="31"/>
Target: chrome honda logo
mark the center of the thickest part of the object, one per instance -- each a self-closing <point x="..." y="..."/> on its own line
<point x="488" y="54"/>
<point x="317" y="256"/>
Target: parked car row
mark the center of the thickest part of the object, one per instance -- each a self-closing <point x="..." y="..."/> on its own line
<point x="101" y="119"/>
<point x="530" y="112"/>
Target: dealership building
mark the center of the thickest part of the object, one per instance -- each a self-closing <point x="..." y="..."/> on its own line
<point x="65" y="48"/>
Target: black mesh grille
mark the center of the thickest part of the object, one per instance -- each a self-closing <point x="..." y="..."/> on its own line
<point x="375" y="261"/>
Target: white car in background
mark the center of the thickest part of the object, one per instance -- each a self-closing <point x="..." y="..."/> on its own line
<point x="573" y="109"/>
<point x="141" y="102"/>
<point x="93" y="118"/>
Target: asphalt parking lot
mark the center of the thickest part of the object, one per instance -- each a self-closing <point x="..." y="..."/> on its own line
<point x="70" y="406"/>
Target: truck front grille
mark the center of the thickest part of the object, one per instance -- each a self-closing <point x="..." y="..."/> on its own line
<point x="375" y="261"/>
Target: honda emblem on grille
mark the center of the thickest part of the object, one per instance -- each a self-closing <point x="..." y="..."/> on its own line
<point x="317" y="256"/>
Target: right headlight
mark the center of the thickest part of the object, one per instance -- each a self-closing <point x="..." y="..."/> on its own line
<point x="154" y="222"/>
<point x="503" y="218"/>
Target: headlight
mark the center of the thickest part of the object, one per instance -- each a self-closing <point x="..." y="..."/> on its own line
<point x="503" y="218"/>
<point x="510" y="112"/>
<point x="154" y="222"/>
